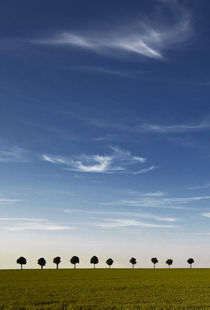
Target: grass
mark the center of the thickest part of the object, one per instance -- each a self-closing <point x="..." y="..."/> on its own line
<point x="113" y="289"/>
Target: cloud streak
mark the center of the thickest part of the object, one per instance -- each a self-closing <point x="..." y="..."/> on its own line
<point x="158" y="202"/>
<point x="147" y="38"/>
<point x="119" y="161"/>
<point x="21" y="224"/>
<point x="13" y="154"/>
<point x="120" y="223"/>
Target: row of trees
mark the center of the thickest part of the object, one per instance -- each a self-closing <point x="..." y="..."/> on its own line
<point x="94" y="261"/>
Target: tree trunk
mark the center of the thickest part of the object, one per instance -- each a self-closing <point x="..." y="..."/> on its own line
<point x="41" y="267"/>
<point x="154" y="266"/>
<point x="21" y="266"/>
<point x="190" y="265"/>
<point x="74" y="266"/>
<point x="94" y="266"/>
<point x="109" y="266"/>
<point x="56" y="266"/>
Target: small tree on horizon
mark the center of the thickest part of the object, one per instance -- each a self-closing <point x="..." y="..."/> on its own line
<point x="74" y="261"/>
<point x="133" y="261"/>
<point x="190" y="262"/>
<point x="41" y="262"/>
<point x="21" y="261"/>
<point x="154" y="260"/>
<point x="109" y="262"/>
<point x="169" y="262"/>
<point x="57" y="261"/>
<point x="94" y="260"/>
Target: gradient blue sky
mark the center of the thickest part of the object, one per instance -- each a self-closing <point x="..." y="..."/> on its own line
<point x="105" y="129"/>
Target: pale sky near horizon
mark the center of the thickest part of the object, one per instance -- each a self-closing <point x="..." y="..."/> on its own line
<point x="105" y="130"/>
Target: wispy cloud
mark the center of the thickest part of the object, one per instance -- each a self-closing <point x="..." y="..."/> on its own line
<point x="118" y="161"/>
<point x="204" y="186"/>
<point x="8" y="200"/>
<point x="118" y="223"/>
<point x="206" y="214"/>
<point x="175" y="128"/>
<point x="104" y="70"/>
<point x="146" y="37"/>
<point x="20" y="224"/>
<point x="159" y="202"/>
<point x="145" y="170"/>
<point x="13" y="154"/>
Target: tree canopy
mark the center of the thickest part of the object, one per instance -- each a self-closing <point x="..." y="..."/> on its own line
<point x="74" y="260"/>
<point x="109" y="262"/>
<point x="94" y="260"/>
<point x="21" y="261"/>
<point x="133" y="261"/>
<point x="57" y="261"/>
<point x="41" y="262"/>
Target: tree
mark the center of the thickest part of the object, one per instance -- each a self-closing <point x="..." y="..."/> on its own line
<point x="190" y="262"/>
<point x="169" y="262"/>
<point x="154" y="260"/>
<point x="41" y="262"/>
<point x="57" y="261"/>
<point x="133" y="261"/>
<point x="74" y="260"/>
<point x="21" y="261"/>
<point x="94" y="260"/>
<point x="109" y="262"/>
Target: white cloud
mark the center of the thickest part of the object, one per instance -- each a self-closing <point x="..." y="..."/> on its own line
<point x="6" y="200"/>
<point x="155" y="194"/>
<point x="118" y="161"/>
<point x="159" y="202"/>
<point x="204" y="186"/>
<point x="149" y="38"/>
<point x="206" y="214"/>
<point x="120" y="213"/>
<point x="19" y="224"/>
<point x="145" y="170"/>
<point x="118" y="223"/>
<point x="175" y="128"/>
<point x="8" y="219"/>
<point x="13" y="154"/>
<point x="33" y="226"/>
<point x="104" y="70"/>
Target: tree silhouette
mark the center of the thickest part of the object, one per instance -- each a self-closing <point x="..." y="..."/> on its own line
<point x="21" y="261"/>
<point x="169" y="262"/>
<point x="190" y="262"/>
<point x="133" y="261"/>
<point x="109" y="262"/>
<point x="74" y="260"/>
<point x="154" y="260"/>
<point x="94" y="260"/>
<point x="41" y="262"/>
<point x="57" y="261"/>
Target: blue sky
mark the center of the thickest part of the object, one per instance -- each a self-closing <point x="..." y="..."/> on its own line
<point x="105" y="128"/>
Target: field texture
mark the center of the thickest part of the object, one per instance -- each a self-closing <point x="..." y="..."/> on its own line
<point x="105" y="289"/>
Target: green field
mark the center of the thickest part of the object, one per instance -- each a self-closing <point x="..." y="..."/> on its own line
<point x="125" y="289"/>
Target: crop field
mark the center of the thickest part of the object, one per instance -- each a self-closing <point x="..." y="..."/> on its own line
<point x="125" y="289"/>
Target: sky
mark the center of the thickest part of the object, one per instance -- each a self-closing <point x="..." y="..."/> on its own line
<point x="104" y="131"/>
